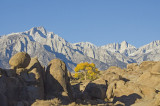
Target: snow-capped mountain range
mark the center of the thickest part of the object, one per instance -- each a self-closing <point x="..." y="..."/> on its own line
<point x="47" y="45"/>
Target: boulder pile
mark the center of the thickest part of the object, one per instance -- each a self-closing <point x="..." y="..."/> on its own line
<point x="28" y="83"/>
<point x="137" y="85"/>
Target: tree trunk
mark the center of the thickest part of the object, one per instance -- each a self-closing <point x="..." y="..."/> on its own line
<point x="85" y="73"/>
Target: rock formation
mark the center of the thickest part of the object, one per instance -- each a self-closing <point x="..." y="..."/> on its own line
<point x="19" y="60"/>
<point x="24" y="81"/>
<point x="138" y="84"/>
<point x="34" y="77"/>
<point x="27" y="83"/>
<point x="57" y="79"/>
<point x="96" y="89"/>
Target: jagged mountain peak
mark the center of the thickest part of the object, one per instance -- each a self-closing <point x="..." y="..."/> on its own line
<point x="41" y="32"/>
<point x="125" y="45"/>
<point x="124" y="42"/>
<point x="47" y="45"/>
<point x="151" y="45"/>
<point x="156" y="43"/>
<point x="118" y="46"/>
<point x="40" y="29"/>
<point x="85" y="44"/>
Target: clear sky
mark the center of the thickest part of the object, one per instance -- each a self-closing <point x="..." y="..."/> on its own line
<point x="97" y="21"/>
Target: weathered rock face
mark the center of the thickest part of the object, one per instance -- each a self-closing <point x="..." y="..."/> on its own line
<point x="15" y="91"/>
<point x="117" y="70"/>
<point x="149" y="80"/>
<point x="20" y="60"/>
<point x="120" y="88"/>
<point x="155" y="69"/>
<point x="96" y="89"/>
<point x="151" y="76"/>
<point x="57" y="79"/>
<point x="10" y="90"/>
<point x="139" y="84"/>
<point x="24" y="83"/>
<point x="37" y="69"/>
<point x="110" y="77"/>
<point x="146" y="65"/>
<point x="35" y="79"/>
<point x="132" y="66"/>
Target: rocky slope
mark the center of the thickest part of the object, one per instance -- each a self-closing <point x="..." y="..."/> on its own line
<point x="149" y="52"/>
<point x="47" y="46"/>
<point x="28" y="83"/>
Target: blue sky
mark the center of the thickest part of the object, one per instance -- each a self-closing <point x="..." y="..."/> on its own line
<point x="97" y="21"/>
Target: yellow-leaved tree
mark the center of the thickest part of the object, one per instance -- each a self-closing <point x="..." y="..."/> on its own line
<point x="88" y="70"/>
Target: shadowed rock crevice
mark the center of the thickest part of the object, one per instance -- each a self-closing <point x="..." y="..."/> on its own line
<point x="127" y="100"/>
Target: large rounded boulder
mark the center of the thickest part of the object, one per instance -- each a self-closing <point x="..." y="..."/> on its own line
<point x="20" y="60"/>
<point x="57" y="79"/>
<point x="96" y="89"/>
